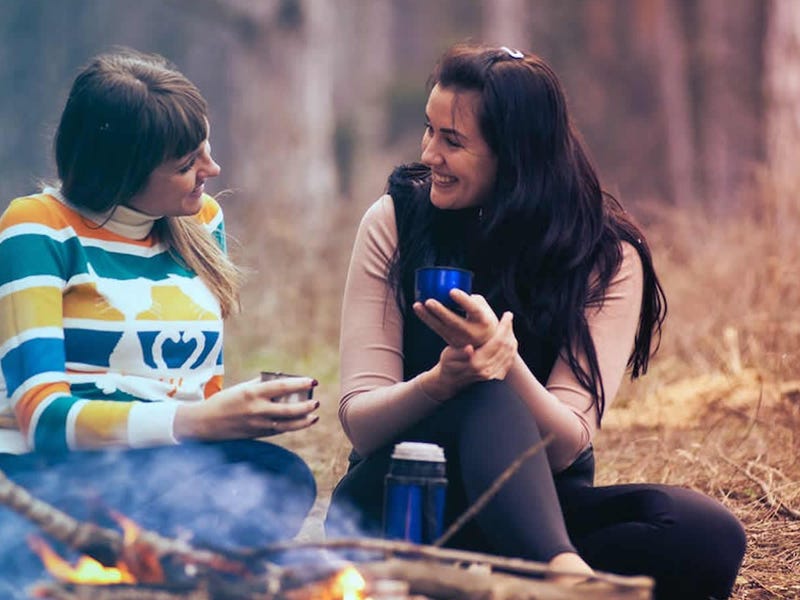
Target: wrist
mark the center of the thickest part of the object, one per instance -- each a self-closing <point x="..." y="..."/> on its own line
<point x="433" y="386"/>
<point x="188" y="423"/>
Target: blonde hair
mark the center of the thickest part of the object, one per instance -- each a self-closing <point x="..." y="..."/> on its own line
<point x="192" y="244"/>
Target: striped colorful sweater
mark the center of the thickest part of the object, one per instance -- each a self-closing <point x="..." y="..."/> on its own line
<point x="101" y="334"/>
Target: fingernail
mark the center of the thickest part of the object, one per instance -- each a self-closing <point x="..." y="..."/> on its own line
<point x="315" y="418"/>
<point x="316" y="404"/>
<point x="314" y="383"/>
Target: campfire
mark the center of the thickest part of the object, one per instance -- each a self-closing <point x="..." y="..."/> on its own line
<point x="136" y="564"/>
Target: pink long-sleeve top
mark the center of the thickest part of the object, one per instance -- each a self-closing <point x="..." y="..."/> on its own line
<point x="376" y="404"/>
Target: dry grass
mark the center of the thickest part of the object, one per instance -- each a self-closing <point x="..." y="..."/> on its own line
<point x="719" y="410"/>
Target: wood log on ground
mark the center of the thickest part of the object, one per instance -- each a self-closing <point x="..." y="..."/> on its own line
<point x="425" y="578"/>
<point x="445" y="582"/>
<point x="397" y="548"/>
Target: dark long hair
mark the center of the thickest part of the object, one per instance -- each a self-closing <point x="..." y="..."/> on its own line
<point x="548" y="243"/>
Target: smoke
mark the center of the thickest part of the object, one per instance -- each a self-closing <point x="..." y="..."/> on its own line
<point x="230" y="495"/>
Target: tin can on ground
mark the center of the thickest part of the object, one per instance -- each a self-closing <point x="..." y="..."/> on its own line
<point x="414" y="493"/>
<point x="288" y="398"/>
<point x="436" y="283"/>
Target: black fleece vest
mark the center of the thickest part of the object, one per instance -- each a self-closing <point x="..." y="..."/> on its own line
<point x="409" y="186"/>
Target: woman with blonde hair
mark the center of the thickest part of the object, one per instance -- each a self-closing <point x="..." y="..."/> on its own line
<point x="113" y="290"/>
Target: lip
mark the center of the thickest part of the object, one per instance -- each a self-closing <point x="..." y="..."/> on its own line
<point x="198" y="190"/>
<point x="442" y="180"/>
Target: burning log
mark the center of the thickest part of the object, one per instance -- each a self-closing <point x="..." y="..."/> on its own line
<point x="104" y="545"/>
<point x="108" y="546"/>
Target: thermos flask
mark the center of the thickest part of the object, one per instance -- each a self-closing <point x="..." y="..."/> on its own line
<point x="414" y="493"/>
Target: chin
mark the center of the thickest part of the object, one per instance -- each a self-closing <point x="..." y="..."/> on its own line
<point x="193" y="206"/>
<point x="446" y="202"/>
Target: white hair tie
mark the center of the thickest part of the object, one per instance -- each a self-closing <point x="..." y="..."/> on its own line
<point x="513" y="53"/>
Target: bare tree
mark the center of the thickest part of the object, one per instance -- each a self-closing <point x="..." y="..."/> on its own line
<point x="782" y="92"/>
<point x="727" y="116"/>
<point x="506" y="22"/>
<point x="281" y="101"/>
<point x="674" y="91"/>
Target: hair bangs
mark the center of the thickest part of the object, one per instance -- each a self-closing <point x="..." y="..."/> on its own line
<point x="179" y="123"/>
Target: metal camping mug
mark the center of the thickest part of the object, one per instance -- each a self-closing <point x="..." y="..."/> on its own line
<point x="436" y="283"/>
<point x="414" y="493"/>
<point x="288" y="398"/>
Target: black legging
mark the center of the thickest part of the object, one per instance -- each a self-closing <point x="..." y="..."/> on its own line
<point x="690" y="544"/>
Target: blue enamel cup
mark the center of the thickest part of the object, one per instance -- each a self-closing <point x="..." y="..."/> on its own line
<point x="436" y="283"/>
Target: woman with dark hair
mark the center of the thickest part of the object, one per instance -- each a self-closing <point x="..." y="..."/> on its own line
<point x="565" y="299"/>
<point x="113" y="290"/>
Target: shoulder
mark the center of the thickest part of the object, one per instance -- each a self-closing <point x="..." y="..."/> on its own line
<point x="380" y="213"/>
<point x="210" y="214"/>
<point x="38" y="209"/>
<point x="628" y="280"/>
<point x="631" y="265"/>
<point x="378" y="228"/>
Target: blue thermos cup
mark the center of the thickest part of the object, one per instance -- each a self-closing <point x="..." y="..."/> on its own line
<point x="436" y="283"/>
<point x="414" y="494"/>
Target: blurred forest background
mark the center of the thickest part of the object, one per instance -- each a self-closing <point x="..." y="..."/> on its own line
<point x="691" y="109"/>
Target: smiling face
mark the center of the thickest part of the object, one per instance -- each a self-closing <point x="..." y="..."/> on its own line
<point x="463" y="167"/>
<point x="176" y="186"/>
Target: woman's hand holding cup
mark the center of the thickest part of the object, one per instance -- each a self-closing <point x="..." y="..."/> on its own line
<point x="249" y="410"/>
<point x="475" y="327"/>
<point x="459" y="367"/>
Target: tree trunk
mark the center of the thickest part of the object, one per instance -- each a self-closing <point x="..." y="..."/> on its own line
<point x="507" y="23"/>
<point x="282" y="108"/>
<point x="726" y="110"/>
<point x="782" y="92"/>
<point x="674" y="85"/>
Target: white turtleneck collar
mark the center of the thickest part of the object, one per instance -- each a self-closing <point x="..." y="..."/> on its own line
<point x="122" y="220"/>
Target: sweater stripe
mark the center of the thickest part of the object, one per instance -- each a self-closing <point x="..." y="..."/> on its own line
<point x="93" y="324"/>
<point x="50" y="434"/>
<point x="32" y="358"/>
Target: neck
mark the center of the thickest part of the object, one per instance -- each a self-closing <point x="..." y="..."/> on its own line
<point x="122" y="220"/>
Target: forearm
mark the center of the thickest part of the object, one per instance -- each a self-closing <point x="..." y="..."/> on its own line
<point x="572" y="429"/>
<point x="61" y="422"/>
<point x="375" y="417"/>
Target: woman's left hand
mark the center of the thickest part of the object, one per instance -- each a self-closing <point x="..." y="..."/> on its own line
<point x="459" y="367"/>
<point x="474" y="329"/>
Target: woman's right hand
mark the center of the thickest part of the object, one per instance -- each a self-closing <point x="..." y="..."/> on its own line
<point x="460" y="367"/>
<point x="247" y="411"/>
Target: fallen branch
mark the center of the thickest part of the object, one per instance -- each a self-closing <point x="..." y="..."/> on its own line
<point x="392" y="548"/>
<point x="104" y="545"/>
<point x="492" y="490"/>
<point x="445" y="582"/>
<point x="771" y="499"/>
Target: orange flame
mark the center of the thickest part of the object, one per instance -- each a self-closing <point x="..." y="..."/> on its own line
<point x="86" y="570"/>
<point x="138" y="564"/>
<point x="350" y="584"/>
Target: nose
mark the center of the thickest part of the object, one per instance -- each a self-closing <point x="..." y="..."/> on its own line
<point x="210" y="167"/>
<point x="430" y="153"/>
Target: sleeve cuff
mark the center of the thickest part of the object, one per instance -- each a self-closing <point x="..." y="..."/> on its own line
<point x="150" y="424"/>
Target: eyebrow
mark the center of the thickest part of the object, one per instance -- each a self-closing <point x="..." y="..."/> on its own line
<point x="190" y="155"/>
<point x="448" y="130"/>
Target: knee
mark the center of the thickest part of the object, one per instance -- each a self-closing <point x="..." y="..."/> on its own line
<point x="711" y="539"/>
<point x="285" y="470"/>
<point x="300" y="476"/>
<point x="492" y="400"/>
